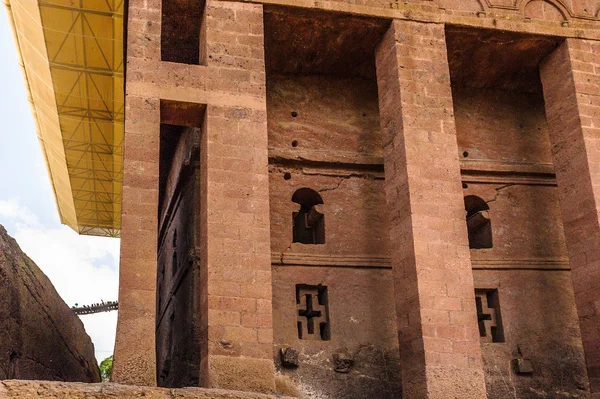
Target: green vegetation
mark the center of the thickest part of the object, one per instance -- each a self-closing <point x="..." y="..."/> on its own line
<point x="106" y="368"/>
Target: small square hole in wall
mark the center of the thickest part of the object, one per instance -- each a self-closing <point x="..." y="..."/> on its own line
<point x="489" y="317"/>
<point x="312" y="306"/>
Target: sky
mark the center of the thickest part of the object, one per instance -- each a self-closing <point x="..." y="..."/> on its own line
<point x="83" y="269"/>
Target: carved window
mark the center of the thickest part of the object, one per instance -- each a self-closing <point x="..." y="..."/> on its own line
<point x="313" y="312"/>
<point x="479" y="224"/>
<point x="488" y="315"/>
<point x="308" y="221"/>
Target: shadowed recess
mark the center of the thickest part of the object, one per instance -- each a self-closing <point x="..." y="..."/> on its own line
<point x="323" y="43"/>
<point x="480" y="58"/>
<point x="180" y="30"/>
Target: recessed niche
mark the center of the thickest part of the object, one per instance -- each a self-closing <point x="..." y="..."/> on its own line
<point x="181" y="31"/>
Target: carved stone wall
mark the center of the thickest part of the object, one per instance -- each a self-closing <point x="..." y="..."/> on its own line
<point x="177" y="304"/>
<point x="334" y="123"/>
<point x="323" y="131"/>
<point x="552" y="11"/>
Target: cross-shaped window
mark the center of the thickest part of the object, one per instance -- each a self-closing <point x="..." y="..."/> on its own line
<point x="488" y="315"/>
<point x="310" y="313"/>
<point x="313" y="315"/>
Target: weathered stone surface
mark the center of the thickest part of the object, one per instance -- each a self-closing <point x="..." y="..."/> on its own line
<point x="41" y="337"/>
<point x="541" y="319"/>
<point x="523" y="366"/>
<point x="342" y="362"/>
<point x="289" y="357"/>
<point x="58" y="390"/>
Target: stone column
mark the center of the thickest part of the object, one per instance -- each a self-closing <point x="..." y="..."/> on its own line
<point x="236" y="255"/>
<point x="235" y="294"/>
<point x="571" y="81"/>
<point x="135" y="353"/>
<point x="135" y="361"/>
<point x="433" y="280"/>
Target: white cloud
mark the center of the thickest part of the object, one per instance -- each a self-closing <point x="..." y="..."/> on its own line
<point x="11" y="209"/>
<point x="83" y="269"/>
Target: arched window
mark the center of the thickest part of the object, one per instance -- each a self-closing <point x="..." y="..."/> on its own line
<point x="479" y="224"/>
<point x="308" y="222"/>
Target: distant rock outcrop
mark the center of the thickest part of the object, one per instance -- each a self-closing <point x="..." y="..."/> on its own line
<point x="40" y="336"/>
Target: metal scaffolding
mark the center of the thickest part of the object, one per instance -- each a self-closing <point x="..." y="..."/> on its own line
<point x="72" y="56"/>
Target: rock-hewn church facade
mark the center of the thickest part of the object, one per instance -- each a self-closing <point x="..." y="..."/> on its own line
<point x="351" y="199"/>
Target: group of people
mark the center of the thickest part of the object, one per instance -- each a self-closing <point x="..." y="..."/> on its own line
<point x="96" y="307"/>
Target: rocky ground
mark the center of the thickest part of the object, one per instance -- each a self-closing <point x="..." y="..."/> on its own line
<point x="59" y="390"/>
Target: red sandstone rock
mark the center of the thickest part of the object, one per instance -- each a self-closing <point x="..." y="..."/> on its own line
<point x="41" y="337"/>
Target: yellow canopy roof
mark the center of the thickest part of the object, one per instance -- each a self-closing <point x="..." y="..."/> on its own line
<point x="72" y="56"/>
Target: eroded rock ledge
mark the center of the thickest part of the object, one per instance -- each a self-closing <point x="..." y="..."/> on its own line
<point x="62" y="390"/>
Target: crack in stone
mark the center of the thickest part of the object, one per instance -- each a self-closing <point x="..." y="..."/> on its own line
<point x="73" y="352"/>
<point x="336" y="187"/>
<point x="57" y="372"/>
<point x="498" y="191"/>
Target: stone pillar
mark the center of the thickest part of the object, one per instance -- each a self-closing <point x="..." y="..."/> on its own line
<point x="571" y="81"/>
<point x="433" y="280"/>
<point x="235" y="294"/>
<point x="135" y="361"/>
<point x="135" y="352"/>
<point x="236" y="255"/>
